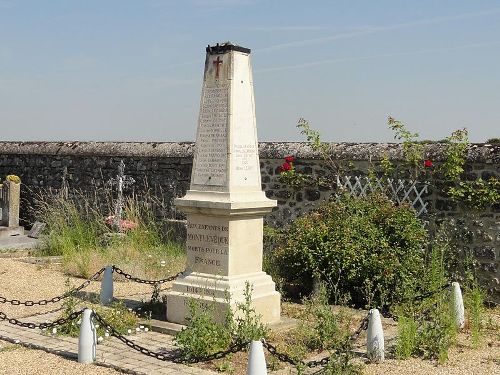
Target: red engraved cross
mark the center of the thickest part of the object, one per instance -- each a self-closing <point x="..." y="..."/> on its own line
<point x="217" y="65"/>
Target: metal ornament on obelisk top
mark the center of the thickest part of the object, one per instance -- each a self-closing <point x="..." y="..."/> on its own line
<point x="225" y="204"/>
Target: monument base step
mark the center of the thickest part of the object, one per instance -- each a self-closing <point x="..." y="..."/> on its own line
<point x="168" y="328"/>
<point x="212" y="291"/>
<point x="6" y="232"/>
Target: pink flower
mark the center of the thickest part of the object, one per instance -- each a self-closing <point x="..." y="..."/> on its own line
<point x="128" y="224"/>
<point x="124" y="224"/>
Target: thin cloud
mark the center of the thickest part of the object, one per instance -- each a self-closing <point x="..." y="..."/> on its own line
<point x="286" y="28"/>
<point x="376" y="29"/>
<point x="204" y="3"/>
<point x="385" y="55"/>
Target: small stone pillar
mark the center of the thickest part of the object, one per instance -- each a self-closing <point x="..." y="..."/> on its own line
<point x="10" y="202"/>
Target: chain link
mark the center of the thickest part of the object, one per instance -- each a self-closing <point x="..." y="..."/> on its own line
<point x="173" y="357"/>
<point x="59" y="322"/>
<point x="362" y="327"/>
<point x="315" y="363"/>
<point x="385" y="310"/>
<point x="142" y="281"/>
<point x="43" y="302"/>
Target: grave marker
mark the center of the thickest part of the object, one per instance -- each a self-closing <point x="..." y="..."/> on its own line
<point x="225" y="204"/>
<point x="36" y="229"/>
<point x="10" y="200"/>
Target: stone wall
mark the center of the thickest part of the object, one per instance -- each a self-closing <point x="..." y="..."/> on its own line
<point x="165" y="169"/>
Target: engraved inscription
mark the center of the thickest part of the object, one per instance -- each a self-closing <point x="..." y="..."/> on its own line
<point x="200" y="291"/>
<point x="211" y="142"/>
<point x="207" y="246"/>
<point x="243" y="156"/>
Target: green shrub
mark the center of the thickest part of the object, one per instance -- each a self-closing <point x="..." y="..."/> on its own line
<point x="248" y="325"/>
<point x="347" y="242"/>
<point x="406" y="342"/>
<point x="204" y="335"/>
<point x="438" y="333"/>
<point x="117" y="315"/>
<point x="321" y="327"/>
<point x="474" y="306"/>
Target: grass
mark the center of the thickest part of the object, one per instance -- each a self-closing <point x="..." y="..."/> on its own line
<point x="77" y="231"/>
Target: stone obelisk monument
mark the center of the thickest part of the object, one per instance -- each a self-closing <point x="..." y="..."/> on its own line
<point x="225" y="204"/>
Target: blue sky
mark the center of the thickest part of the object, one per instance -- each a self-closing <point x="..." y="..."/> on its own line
<point x="131" y="70"/>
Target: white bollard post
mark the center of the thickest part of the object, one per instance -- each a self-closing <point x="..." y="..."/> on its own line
<point x="107" y="286"/>
<point x="375" y="337"/>
<point x="458" y="304"/>
<point x="256" y="359"/>
<point x="87" y="340"/>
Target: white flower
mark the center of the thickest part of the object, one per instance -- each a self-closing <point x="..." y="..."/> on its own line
<point x="97" y="326"/>
<point x="138" y="329"/>
<point x="54" y="330"/>
<point x="100" y="339"/>
<point x="106" y="334"/>
<point x="146" y="329"/>
<point x="129" y="331"/>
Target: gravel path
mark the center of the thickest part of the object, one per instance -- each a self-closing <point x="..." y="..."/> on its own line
<point x="21" y="361"/>
<point x="462" y="361"/>
<point x="24" y="281"/>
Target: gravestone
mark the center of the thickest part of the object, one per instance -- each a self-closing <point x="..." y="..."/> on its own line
<point x="225" y="204"/>
<point x="10" y="194"/>
<point x="36" y="229"/>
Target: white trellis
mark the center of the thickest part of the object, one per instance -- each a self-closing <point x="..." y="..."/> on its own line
<point x="399" y="191"/>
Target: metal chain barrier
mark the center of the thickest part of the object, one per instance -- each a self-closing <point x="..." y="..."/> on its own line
<point x="429" y="294"/>
<point x="142" y="281"/>
<point x="177" y="358"/>
<point x="385" y="310"/>
<point x="315" y="363"/>
<point x="59" y="322"/>
<point x="44" y="302"/>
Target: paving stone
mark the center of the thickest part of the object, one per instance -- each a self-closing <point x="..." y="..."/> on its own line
<point x="111" y="352"/>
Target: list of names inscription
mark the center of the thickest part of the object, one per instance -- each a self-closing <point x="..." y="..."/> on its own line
<point x="211" y="141"/>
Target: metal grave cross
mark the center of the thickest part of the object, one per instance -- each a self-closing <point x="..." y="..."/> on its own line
<point x="121" y="181"/>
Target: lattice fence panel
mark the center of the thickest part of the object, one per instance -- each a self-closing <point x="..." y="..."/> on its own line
<point x="399" y="191"/>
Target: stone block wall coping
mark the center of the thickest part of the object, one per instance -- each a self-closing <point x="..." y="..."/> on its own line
<point x="478" y="152"/>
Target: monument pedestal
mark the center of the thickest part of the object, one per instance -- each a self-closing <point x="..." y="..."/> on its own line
<point x="224" y="253"/>
<point x="225" y="205"/>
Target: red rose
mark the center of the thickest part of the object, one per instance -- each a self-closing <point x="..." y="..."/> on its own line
<point x="289" y="158"/>
<point x="285" y="167"/>
<point x="428" y="163"/>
